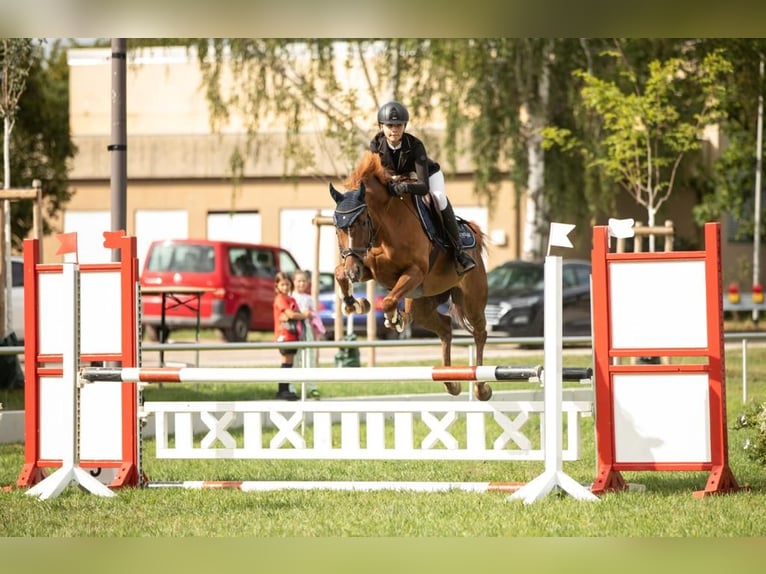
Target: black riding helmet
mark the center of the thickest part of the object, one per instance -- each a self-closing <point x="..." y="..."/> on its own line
<point x="393" y="113"/>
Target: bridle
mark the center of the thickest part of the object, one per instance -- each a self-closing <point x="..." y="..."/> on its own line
<point x="346" y="220"/>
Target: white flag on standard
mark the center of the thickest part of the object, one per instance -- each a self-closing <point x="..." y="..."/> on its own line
<point x="621" y="228"/>
<point x="558" y="235"/>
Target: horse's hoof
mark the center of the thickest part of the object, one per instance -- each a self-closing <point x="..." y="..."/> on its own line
<point x="482" y="391"/>
<point x="453" y="388"/>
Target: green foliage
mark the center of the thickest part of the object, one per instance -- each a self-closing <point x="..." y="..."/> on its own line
<point x="730" y="187"/>
<point x="475" y="88"/>
<point x="647" y="125"/>
<point x="291" y="79"/>
<point x="753" y="423"/>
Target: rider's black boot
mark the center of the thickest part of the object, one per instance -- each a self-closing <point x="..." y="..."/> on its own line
<point x="463" y="262"/>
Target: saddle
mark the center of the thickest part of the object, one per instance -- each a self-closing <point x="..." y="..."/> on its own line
<point x="430" y="220"/>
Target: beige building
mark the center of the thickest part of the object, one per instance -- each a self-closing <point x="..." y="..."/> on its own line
<point x="179" y="185"/>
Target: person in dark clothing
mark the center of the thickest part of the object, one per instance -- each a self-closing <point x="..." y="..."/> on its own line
<point x="405" y="156"/>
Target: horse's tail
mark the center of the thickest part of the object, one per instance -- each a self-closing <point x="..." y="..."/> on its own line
<point x="458" y="318"/>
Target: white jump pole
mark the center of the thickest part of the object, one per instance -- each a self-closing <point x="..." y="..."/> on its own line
<point x="322" y="375"/>
<point x="553" y="476"/>
<point x="70" y="471"/>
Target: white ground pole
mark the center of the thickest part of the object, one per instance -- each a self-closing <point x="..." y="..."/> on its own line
<point x="553" y="477"/>
<point x="70" y="472"/>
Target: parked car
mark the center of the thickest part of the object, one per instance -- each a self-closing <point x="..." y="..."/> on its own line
<point x="515" y="302"/>
<point x="17" y="296"/>
<point x="326" y="310"/>
<point x="326" y="282"/>
<point x="234" y="283"/>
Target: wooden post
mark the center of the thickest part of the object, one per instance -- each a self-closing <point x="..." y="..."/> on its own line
<point x="35" y="193"/>
<point x="642" y="231"/>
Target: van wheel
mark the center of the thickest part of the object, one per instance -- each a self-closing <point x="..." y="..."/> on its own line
<point x="240" y="326"/>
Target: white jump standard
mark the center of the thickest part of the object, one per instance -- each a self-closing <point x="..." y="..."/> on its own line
<point x="70" y="470"/>
<point x="553" y="477"/>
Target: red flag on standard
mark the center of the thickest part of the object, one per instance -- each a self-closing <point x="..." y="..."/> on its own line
<point x="112" y="238"/>
<point x="68" y="243"/>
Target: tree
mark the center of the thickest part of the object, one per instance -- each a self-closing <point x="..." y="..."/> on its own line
<point x="649" y="127"/>
<point x="42" y="140"/>
<point x="15" y="61"/>
<point x="38" y="144"/>
<point x="729" y="189"/>
<point x="489" y="96"/>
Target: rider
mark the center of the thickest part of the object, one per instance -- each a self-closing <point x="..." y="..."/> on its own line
<point x="405" y="155"/>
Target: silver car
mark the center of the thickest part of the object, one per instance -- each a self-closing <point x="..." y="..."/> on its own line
<point x="515" y="298"/>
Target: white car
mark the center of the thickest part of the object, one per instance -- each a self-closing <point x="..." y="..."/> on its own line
<point x="17" y="296"/>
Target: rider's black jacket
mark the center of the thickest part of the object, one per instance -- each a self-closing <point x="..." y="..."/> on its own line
<point x="411" y="158"/>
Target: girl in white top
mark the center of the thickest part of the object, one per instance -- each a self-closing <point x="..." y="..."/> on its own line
<point x="313" y="330"/>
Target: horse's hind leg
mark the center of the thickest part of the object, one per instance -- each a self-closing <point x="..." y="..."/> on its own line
<point x="472" y="310"/>
<point x="481" y="389"/>
<point x="425" y="314"/>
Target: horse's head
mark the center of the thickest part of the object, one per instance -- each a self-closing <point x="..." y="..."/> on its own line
<point x="353" y="226"/>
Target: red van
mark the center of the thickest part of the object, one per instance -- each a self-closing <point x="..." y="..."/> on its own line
<point x="231" y="283"/>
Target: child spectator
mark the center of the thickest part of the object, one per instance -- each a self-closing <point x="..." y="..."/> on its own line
<point x="287" y="321"/>
<point x="313" y="330"/>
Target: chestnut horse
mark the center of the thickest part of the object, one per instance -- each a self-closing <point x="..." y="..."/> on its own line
<point x="380" y="237"/>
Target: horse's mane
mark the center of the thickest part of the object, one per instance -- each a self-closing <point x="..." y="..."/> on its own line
<point x="369" y="167"/>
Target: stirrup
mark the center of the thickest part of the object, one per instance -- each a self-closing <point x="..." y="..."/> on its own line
<point x="463" y="263"/>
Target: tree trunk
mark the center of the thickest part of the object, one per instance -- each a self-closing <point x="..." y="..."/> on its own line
<point x="651" y="213"/>
<point x="533" y="212"/>
<point x="2" y="278"/>
<point x="6" y="276"/>
<point x="534" y="223"/>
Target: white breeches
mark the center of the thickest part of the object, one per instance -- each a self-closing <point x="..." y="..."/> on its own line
<point x="437" y="188"/>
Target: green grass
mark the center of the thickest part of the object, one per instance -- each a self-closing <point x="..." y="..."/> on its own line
<point x="665" y="509"/>
<point x="154" y="512"/>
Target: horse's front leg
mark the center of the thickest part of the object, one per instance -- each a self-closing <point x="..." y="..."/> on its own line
<point x="407" y="281"/>
<point x="350" y="303"/>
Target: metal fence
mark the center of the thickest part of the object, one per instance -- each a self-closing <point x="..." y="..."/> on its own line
<point x="742" y="339"/>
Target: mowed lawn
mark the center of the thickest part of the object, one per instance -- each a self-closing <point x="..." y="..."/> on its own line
<point x="662" y="507"/>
